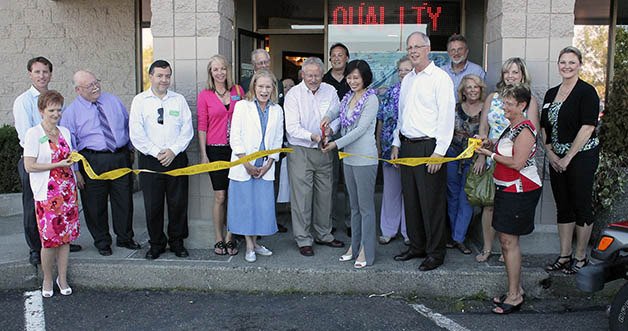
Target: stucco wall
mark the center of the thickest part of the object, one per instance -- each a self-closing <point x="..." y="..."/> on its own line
<point x="72" y="34"/>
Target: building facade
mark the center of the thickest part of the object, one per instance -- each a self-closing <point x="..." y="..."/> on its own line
<point x="105" y="37"/>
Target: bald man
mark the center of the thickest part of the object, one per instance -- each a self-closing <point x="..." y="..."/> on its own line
<point x="99" y="124"/>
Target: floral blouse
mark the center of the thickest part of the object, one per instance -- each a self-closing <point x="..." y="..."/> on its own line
<point x="465" y="127"/>
<point x="388" y="113"/>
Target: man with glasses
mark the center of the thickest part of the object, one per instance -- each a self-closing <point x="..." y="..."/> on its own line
<point x="161" y="129"/>
<point x="425" y="127"/>
<point x="260" y="59"/>
<point x="309" y="169"/>
<point x="26" y="115"/>
<point x="99" y="124"/>
<point x="458" y="65"/>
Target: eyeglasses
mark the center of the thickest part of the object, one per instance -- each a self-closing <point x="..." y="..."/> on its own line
<point x="160" y="119"/>
<point x="92" y="85"/>
<point x="415" y="47"/>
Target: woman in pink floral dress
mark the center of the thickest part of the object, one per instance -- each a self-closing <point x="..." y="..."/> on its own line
<point x="47" y="151"/>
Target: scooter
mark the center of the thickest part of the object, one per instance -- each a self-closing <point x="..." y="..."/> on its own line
<point x="609" y="262"/>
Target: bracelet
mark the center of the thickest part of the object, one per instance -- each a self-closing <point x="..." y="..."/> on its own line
<point x="492" y="156"/>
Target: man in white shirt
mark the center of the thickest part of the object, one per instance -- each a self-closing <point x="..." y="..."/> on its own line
<point x="424" y="129"/>
<point x="309" y="169"/>
<point x="160" y="126"/>
<point x="26" y="115"/>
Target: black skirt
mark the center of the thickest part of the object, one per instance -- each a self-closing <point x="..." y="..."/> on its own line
<point x="220" y="179"/>
<point x="514" y="212"/>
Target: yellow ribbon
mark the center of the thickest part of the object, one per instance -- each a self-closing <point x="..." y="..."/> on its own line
<point x="473" y="144"/>
<point x="187" y="171"/>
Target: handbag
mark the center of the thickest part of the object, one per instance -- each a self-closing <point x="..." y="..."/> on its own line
<point x="480" y="189"/>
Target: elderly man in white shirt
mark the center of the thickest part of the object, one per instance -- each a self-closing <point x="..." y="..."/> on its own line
<point x="160" y="126"/>
<point x="309" y="169"/>
<point x="424" y="128"/>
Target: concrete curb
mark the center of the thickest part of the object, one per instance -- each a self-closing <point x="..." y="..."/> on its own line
<point x="191" y="275"/>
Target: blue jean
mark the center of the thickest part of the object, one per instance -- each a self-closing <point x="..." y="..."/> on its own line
<point x="458" y="207"/>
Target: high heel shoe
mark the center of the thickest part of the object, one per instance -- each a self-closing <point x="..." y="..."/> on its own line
<point x="359" y="264"/>
<point x="47" y="294"/>
<point x="345" y="257"/>
<point x="64" y="291"/>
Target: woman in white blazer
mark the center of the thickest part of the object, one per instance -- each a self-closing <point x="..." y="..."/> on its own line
<point x="47" y="149"/>
<point x="257" y="125"/>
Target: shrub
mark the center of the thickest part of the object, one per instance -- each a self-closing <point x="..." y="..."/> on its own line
<point x="11" y="151"/>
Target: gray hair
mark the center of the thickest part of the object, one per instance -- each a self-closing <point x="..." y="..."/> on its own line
<point x="258" y="51"/>
<point x="423" y="36"/>
<point x="313" y="60"/>
<point x="80" y="74"/>
<point x="403" y="59"/>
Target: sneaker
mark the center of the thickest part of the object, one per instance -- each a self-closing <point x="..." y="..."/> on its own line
<point x="384" y="240"/>
<point x="250" y="256"/>
<point x="263" y="251"/>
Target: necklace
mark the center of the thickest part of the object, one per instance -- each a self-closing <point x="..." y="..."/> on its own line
<point x="346" y="121"/>
<point x="50" y="132"/>
<point x="221" y="94"/>
<point x="564" y="91"/>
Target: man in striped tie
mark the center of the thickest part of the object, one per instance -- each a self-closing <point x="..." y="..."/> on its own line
<point x="99" y="124"/>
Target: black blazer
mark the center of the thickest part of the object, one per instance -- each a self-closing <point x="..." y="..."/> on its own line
<point x="582" y="107"/>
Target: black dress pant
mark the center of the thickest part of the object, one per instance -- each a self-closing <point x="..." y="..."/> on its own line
<point x="119" y="192"/>
<point x="425" y="201"/>
<point x="175" y="191"/>
<point x="31" y="231"/>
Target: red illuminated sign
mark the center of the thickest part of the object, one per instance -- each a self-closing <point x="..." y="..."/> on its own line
<point x="438" y="15"/>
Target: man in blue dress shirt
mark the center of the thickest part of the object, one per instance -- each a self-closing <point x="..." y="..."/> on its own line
<point x="26" y="115"/>
<point x="458" y="65"/>
<point x="99" y="124"/>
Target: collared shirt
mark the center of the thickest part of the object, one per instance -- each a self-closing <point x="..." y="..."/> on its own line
<point x="304" y="111"/>
<point x="456" y="77"/>
<point x="26" y="113"/>
<point x="81" y="118"/>
<point x="427" y="107"/>
<point x="150" y="137"/>
<point x="342" y="87"/>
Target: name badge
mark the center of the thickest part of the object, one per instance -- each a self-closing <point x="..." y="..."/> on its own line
<point x="43" y="139"/>
<point x="174" y="113"/>
<point x="235" y="98"/>
<point x="545" y="106"/>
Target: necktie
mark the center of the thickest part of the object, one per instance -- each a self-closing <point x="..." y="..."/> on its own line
<point x="110" y="140"/>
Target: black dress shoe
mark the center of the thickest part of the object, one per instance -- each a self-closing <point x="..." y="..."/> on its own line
<point x="34" y="258"/>
<point x="129" y="245"/>
<point x="334" y="243"/>
<point x="75" y="248"/>
<point x="430" y="264"/>
<point x="180" y="251"/>
<point x="105" y="251"/>
<point x="409" y="255"/>
<point x="281" y="228"/>
<point x="154" y="253"/>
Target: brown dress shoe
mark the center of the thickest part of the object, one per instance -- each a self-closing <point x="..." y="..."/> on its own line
<point x="306" y="251"/>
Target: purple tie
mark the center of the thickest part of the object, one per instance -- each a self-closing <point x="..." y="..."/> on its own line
<point x="110" y="141"/>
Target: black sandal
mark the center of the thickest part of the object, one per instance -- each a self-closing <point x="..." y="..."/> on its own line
<point x="500" y="300"/>
<point x="507" y="308"/>
<point x="574" y="268"/>
<point x="232" y="248"/>
<point x="557" y="265"/>
<point x="220" y="246"/>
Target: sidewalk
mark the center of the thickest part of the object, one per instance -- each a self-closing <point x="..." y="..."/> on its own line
<point x="286" y="270"/>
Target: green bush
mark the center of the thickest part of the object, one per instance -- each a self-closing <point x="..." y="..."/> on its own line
<point x="11" y="151"/>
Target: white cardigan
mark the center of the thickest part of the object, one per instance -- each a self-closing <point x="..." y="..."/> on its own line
<point x="36" y="145"/>
<point x="246" y="135"/>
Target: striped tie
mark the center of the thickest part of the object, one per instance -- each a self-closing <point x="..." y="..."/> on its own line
<point x="110" y="141"/>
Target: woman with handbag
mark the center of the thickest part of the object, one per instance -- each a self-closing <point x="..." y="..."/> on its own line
<point x="517" y="189"/>
<point x="467" y="124"/>
<point x="492" y="124"/>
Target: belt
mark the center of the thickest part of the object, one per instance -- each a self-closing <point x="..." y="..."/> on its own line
<point x="121" y="149"/>
<point x="414" y="140"/>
